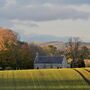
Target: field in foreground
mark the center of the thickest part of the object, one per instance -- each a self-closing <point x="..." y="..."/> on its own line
<point x="49" y="79"/>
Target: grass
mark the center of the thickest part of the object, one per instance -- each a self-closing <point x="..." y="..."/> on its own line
<point x="85" y="73"/>
<point x="87" y="69"/>
<point x="49" y="79"/>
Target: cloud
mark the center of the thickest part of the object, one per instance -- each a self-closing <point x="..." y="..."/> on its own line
<point x="34" y="16"/>
<point x="5" y="23"/>
<point x="81" y="8"/>
<point x="9" y="3"/>
<point x="30" y="24"/>
<point x="77" y="2"/>
<point x="2" y="3"/>
<point x="43" y="12"/>
<point x="23" y="27"/>
<point x="58" y="28"/>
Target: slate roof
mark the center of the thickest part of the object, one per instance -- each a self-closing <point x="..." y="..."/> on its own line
<point x="49" y="59"/>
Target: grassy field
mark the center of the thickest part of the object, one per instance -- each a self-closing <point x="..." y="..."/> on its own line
<point x="49" y="79"/>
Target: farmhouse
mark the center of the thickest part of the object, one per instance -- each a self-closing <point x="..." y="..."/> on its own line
<point x="87" y="62"/>
<point x="42" y="62"/>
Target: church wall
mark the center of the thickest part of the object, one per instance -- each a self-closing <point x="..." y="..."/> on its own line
<point x="41" y="66"/>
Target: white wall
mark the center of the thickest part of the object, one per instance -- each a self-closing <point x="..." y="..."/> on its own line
<point x="47" y="66"/>
<point x="64" y="63"/>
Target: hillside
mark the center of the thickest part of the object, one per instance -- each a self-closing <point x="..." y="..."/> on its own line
<point x="86" y="44"/>
<point x="61" y="45"/>
<point x="50" y="79"/>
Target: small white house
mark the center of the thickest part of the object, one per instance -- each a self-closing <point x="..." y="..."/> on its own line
<point x="42" y="62"/>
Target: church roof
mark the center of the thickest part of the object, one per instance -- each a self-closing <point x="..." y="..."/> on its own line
<point x="49" y="59"/>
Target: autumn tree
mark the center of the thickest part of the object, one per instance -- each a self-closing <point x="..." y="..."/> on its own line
<point x="8" y="38"/>
<point x="8" y="47"/>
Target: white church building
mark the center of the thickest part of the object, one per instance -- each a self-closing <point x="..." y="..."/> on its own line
<point x="42" y="62"/>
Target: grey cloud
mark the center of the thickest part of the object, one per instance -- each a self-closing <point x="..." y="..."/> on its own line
<point x="25" y="23"/>
<point x="53" y="1"/>
<point x="41" y="13"/>
<point x="34" y="25"/>
<point x="2" y="3"/>
<point x="5" y="23"/>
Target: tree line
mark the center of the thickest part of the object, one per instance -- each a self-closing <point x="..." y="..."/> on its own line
<point x="21" y="55"/>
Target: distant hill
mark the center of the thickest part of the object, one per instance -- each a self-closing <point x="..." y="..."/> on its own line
<point x="61" y="45"/>
<point x="58" y="44"/>
<point x="45" y="38"/>
<point x="86" y="44"/>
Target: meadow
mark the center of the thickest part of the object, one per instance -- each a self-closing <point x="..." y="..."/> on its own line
<point x="45" y="79"/>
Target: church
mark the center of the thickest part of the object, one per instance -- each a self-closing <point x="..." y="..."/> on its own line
<point x="43" y="62"/>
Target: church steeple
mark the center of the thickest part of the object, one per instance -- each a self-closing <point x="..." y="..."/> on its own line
<point x="36" y="58"/>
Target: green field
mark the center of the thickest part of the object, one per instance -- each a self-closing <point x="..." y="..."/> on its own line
<point x="49" y="79"/>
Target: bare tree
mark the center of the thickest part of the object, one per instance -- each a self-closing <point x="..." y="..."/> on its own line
<point x="73" y="49"/>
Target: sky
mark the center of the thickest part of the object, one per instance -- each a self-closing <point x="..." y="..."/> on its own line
<point x="50" y="18"/>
